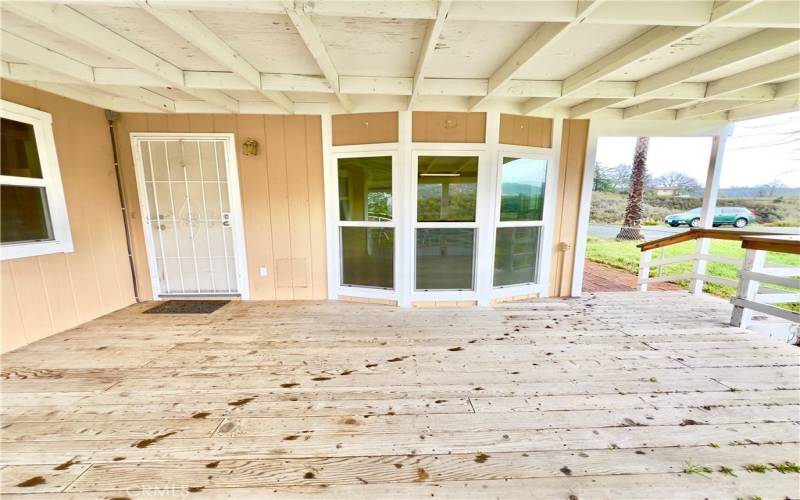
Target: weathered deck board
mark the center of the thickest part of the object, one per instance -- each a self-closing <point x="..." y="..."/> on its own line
<point x="609" y="396"/>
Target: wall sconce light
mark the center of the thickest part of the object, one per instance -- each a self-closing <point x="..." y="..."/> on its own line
<point x="250" y="147"/>
<point x="450" y="123"/>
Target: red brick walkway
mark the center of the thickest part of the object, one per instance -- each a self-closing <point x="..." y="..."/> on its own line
<point x="602" y="278"/>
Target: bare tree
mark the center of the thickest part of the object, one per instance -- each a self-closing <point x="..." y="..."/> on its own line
<point x="632" y="224"/>
<point x="681" y="183"/>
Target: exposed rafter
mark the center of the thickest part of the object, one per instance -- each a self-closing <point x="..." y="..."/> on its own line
<point x="311" y="37"/>
<point x="748" y="48"/>
<point x="653" y="40"/>
<point x="710" y="107"/>
<point x="544" y="36"/>
<point x="69" y="71"/>
<point x="189" y="27"/>
<point x="764" y="109"/>
<point x="70" y="23"/>
<point x="781" y="14"/>
<point x="779" y="70"/>
<point x="648" y="108"/>
<point x="428" y="46"/>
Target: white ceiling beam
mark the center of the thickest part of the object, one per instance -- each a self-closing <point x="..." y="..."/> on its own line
<point x="19" y="48"/>
<point x="644" y="45"/>
<point x="545" y="35"/>
<point x="376" y="85"/>
<point x="74" y="25"/>
<point x="590" y="106"/>
<point x="432" y="33"/>
<point x="787" y="89"/>
<point x="748" y="48"/>
<point x="50" y="66"/>
<point x="710" y="107"/>
<point x="311" y="37"/>
<point x="541" y="38"/>
<point x="778" y="14"/>
<point x="648" y="108"/>
<point x="778" y="70"/>
<point x="295" y="83"/>
<point x="93" y="97"/>
<point x="764" y="109"/>
<point x="186" y="25"/>
<point x="144" y="96"/>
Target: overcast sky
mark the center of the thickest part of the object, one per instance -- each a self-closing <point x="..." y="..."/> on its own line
<point x="758" y="152"/>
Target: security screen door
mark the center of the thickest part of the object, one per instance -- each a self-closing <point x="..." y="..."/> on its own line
<point x="188" y="216"/>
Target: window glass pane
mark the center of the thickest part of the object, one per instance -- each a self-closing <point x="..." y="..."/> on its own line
<point x="522" y="192"/>
<point x="445" y="259"/>
<point x="368" y="256"/>
<point x="19" y="156"/>
<point x="365" y="188"/>
<point x="516" y="251"/>
<point x="24" y="214"/>
<point x="447" y="188"/>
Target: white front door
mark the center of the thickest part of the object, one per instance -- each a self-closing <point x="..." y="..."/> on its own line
<point x="189" y="195"/>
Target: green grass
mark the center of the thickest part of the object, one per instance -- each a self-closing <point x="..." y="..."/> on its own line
<point x="625" y="255"/>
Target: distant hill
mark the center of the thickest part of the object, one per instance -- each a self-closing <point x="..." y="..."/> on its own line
<point x="763" y="191"/>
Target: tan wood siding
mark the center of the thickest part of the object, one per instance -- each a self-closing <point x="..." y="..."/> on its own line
<point x="364" y="128"/>
<point x="570" y="181"/>
<point x="434" y="126"/>
<point x="282" y="197"/>
<point x="51" y="293"/>
<point x="526" y="131"/>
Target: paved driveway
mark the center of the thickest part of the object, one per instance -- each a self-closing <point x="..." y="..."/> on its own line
<point x="654" y="232"/>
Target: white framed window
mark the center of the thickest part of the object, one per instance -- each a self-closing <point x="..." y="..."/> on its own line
<point x="34" y="211"/>
<point x="519" y="219"/>
<point x="367" y="214"/>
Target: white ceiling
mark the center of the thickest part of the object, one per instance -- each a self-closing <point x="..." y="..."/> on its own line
<point x="461" y="55"/>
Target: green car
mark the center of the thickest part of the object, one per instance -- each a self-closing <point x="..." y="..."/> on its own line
<point x="734" y="216"/>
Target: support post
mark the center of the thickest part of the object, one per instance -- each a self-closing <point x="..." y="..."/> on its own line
<point x="709" y="206"/>
<point x="748" y="288"/>
<point x="644" y="269"/>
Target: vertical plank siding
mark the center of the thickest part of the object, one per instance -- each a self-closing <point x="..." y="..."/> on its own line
<point x="570" y="180"/>
<point x="364" y="128"/>
<point x="51" y="293"/>
<point x="282" y="197"/>
<point x="528" y="131"/>
<point x="435" y="126"/>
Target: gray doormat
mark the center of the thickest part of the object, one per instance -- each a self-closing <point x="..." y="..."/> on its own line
<point x="187" y="307"/>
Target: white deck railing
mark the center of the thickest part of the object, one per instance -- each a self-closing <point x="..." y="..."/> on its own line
<point x="753" y="290"/>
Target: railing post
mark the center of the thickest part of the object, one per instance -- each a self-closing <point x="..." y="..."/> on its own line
<point x="702" y="247"/>
<point x="644" y="269"/>
<point x="747" y="289"/>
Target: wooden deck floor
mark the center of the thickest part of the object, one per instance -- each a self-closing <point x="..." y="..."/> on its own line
<point x="609" y="396"/>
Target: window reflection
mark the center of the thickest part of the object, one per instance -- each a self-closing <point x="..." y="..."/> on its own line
<point x="365" y="188"/>
<point x="447" y="188"/>
<point x="522" y="191"/>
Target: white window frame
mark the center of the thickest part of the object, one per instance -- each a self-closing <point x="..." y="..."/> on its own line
<point x="478" y="225"/>
<point x="234" y="198"/>
<point x="42" y="123"/>
<point x="545" y="224"/>
<point x="335" y="223"/>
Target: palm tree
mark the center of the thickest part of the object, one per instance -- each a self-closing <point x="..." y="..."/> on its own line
<point x="632" y="224"/>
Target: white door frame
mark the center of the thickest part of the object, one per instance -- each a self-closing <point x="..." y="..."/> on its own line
<point x="234" y="198"/>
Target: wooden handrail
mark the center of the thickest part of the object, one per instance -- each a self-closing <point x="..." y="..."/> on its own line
<point x="719" y="234"/>
<point x="786" y="243"/>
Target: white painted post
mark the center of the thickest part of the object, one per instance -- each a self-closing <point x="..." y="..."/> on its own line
<point x="644" y="269"/>
<point x="709" y="206"/>
<point x="748" y="288"/>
